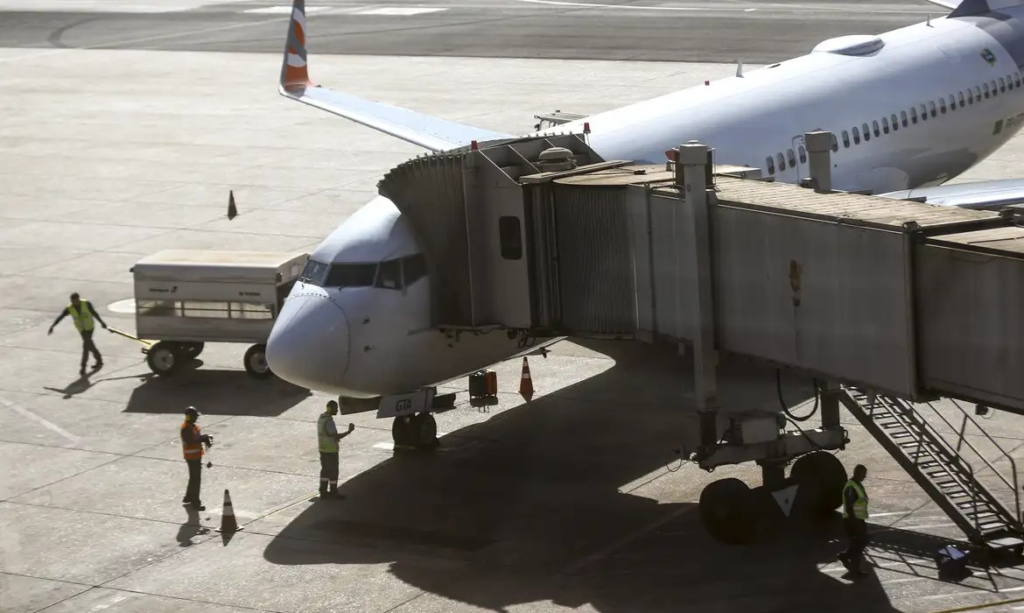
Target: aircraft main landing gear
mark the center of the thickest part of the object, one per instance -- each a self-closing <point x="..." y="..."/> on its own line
<point x="417" y="432"/>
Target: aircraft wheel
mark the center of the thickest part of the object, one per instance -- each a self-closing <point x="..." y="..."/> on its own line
<point x="401" y="431"/>
<point x="191" y="351"/>
<point x="164" y="358"/>
<point x="256" y="362"/>
<point x="424" y="430"/>
<point x="727" y="511"/>
<point x="821" y="478"/>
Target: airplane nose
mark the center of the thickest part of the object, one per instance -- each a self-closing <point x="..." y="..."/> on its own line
<point x="309" y="344"/>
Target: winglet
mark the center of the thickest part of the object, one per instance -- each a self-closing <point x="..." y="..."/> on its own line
<point x="294" y="76"/>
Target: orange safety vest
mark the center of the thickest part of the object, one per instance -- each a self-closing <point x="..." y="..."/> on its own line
<point x="191" y="451"/>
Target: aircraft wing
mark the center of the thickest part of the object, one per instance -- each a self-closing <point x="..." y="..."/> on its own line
<point x="977" y="195"/>
<point x="432" y="133"/>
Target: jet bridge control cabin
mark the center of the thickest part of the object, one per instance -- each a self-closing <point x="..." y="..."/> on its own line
<point x="185" y="299"/>
<point x="890" y="304"/>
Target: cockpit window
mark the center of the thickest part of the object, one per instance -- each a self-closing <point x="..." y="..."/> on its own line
<point x="389" y="275"/>
<point x="351" y="275"/>
<point x="314" y="272"/>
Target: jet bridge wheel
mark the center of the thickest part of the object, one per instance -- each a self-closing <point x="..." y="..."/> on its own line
<point x="727" y="511"/>
<point x="820" y="477"/>
<point x="256" y="362"/>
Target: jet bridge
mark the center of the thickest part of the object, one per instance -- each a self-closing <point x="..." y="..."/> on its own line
<point x="880" y="299"/>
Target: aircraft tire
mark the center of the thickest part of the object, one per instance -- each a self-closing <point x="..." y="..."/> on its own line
<point x="164" y="358"/>
<point x="401" y="432"/>
<point x="727" y="512"/>
<point x="821" y="478"/>
<point x="424" y="431"/>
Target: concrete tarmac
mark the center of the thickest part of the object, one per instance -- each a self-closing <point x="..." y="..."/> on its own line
<point x="574" y="501"/>
<point x="688" y="31"/>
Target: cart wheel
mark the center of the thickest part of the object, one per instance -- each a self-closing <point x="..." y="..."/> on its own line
<point x="164" y="358"/>
<point x="191" y="351"/>
<point x="256" y="362"/>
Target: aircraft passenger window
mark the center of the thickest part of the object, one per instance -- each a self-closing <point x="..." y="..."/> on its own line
<point x="314" y="273"/>
<point x="885" y="125"/>
<point x="895" y="122"/>
<point x="977" y="93"/>
<point x="792" y="158"/>
<point x="985" y="89"/>
<point x="846" y="139"/>
<point x="995" y="88"/>
<point x="913" y="115"/>
<point x="961" y="100"/>
<point x="942" y="105"/>
<point x="856" y="136"/>
<point x="867" y="132"/>
<point x="1009" y="81"/>
<point x="803" y="153"/>
<point x="874" y="124"/>
<point x="1002" y="85"/>
<point x="1016" y="79"/>
<point x="771" y="165"/>
<point x="782" y="162"/>
<point x="511" y="238"/>
<point x="389" y="275"/>
<point x="414" y="268"/>
<point x="903" y="116"/>
<point x="931" y="105"/>
<point x="351" y="275"/>
<point x="952" y="103"/>
<point x="835" y="144"/>
<point x="924" y="113"/>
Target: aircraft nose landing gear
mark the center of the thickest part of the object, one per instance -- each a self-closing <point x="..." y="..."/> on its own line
<point x="417" y="432"/>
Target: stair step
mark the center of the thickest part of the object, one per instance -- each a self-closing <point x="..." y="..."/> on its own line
<point x="957" y="494"/>
<point x="968" y="505"/>
<point x="897" y="435"/>
<point x="992" y="525"/>
<point x="947" y="483"/>
<point x="1005" y="542"/>
<point x="982" y="515"/>
<point x="927" y="465"/>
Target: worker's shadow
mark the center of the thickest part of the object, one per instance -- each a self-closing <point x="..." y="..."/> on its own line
<point x="191" y="528"/>
<point x="215" y="392"/>
<point x="569" y="499"/>
<point x="79" y="385"/>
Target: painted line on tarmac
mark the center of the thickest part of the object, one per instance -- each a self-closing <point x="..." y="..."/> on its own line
<point x="45" y="422"/>
<point x="626" y="540"/>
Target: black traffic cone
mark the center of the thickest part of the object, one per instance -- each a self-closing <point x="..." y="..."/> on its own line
<point x="232" y="209"/>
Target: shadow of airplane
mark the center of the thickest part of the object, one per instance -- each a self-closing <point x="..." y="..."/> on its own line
<point x="215" y="392"/>
<point x="556" y="502"/>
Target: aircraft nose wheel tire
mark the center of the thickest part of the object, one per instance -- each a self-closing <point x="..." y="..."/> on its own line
<point x="727" y="510"/>
<point x="164" y="358"/>
<point x="416" y="432"/>
<point x="820" y="478"/>
<point x="256" y="362"/>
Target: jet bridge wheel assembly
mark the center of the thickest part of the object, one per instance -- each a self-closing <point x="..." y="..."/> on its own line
<point x="820" y="478"/>
<point x="415" y="431"/>
<point x="728" y="511"/>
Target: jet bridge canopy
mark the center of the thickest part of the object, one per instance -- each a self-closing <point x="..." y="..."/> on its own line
<point x="908" y="299"/>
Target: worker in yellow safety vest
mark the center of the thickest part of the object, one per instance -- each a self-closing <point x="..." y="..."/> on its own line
<point x="328" y="437"/>
<point x="82" y="314"/>
<point x="192" y="441"/>
<point x="855" y="515"/>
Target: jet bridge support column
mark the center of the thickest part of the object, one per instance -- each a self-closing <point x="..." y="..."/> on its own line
<point x="694" y="231"/>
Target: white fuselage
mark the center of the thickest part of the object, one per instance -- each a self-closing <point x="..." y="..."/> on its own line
<point x="374" y="339"/>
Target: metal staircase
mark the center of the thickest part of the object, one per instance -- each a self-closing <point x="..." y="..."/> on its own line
<point x="939" y="464"/>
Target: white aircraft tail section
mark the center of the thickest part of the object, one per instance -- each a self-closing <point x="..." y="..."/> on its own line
<point x="432" y="133"/>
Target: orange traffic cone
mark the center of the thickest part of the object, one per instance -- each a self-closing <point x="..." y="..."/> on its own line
<point x="227" y="517"/>
<point x="526" y="383"/>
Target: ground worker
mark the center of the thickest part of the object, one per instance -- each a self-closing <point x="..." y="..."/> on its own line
<point x="192" y="441"/>
<point x="82" y="313"/>
<point x="855" y="515"/>
<point x="327" y="434"/>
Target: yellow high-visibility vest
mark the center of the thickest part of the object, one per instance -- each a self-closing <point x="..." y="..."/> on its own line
<point x="328" y="443"/>
<point x="82" y="316"/>
<point x="860" y="506"/>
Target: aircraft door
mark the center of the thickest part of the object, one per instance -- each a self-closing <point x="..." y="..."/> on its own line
<point x="799" y="153"/>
